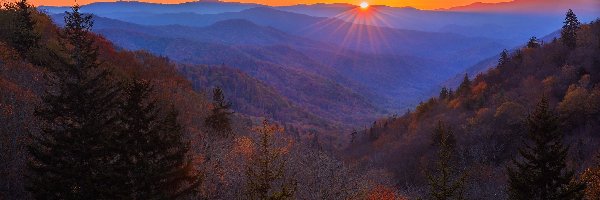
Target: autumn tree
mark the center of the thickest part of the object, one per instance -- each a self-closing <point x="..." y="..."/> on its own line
<point x="445" y="182"/>
<point x="266" y="170"/>
<point x="382" y="193"/>
<point x="219" y="121"/>
<point x="23" y="36"/>
<point x="578" y="106"/>
<point x="591" y="178"/>
<point x="569" y="29"/>
<point x="151" y="155"/>
<point x="70" y="157"/>
<point x="540" y="172"/>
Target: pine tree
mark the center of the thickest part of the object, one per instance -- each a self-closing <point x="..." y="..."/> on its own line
<point x="569" y="29"/>
<point x="541" y="172"/>
<point x="503" y="58"/>
<point x="219" y="120"/>
<point x="465" y="86"/>
<point x="70" y="157"/>
<point x="266" y="171"/>
<point x="151" y="162"/>
<point x="444" y="93"/>
<point x="216" y="142"/>
<point x="24" y="37"/>
<point x="445" y="182"/>
<point x="353" y="135"/>
<point x="315" y="142"/>
<point x="533" y="43"/>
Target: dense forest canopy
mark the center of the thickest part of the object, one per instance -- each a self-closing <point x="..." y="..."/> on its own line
<point x="129" y="126"/>
<point x="490" y="115"/>
<point x="83" y="119"/>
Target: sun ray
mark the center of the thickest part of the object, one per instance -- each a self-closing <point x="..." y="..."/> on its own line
<point x="361" y="30"/>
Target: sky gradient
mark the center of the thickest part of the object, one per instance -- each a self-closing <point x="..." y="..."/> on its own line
<point x="420" y="4"/>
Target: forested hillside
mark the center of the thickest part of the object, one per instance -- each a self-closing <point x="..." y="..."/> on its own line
<point x="472" y="133"/>
<point x="81" y="119"/>
<point x="25" y="68"/>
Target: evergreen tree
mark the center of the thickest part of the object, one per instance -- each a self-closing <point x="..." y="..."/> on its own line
<point x="518" y="55"/>
<point x="219" y="120"/>
<point x="353" y="135"/>
<point x="151" y="161"/>
<point x="71" y="158"/>
<point x="266" y="171"/>
<point x="445" y="182"/>
<point x="23" y="38"/>
<point x="541" y="172"/>
<point x="465" y="86"/>
<point x="533" y="43"/>
<point x="444" y="93"/>
<point x="569" y="29"/>
<point x="315" y="142"/>
<point x="216" y="142"/>
<point x="503" y="58"/>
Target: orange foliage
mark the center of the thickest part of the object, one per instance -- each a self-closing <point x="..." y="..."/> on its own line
<point x="454" y="104"/>
<point x="479" y="88"/>
<point x="243" y="146"/>
<point x="591" y="177"/>
<point x="381" y="192"/>
<point x="549" y="81"/>
<point x="489" y="122"/>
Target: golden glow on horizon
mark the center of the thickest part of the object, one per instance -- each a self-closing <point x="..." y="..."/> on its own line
<point x="364" y="5"/>
<point x="420" y="4"/>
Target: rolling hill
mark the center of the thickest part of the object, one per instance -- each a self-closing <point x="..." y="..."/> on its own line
<point x="487" y="116"/>
<point x="396" y="76"/>
<point x="389" y="69"/>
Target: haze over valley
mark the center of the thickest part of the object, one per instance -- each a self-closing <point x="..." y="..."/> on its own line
<point x="360" y="64"/>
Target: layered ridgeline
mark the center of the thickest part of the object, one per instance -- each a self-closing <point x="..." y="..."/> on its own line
<point x="508" y="21"/>
<point x="265" y="55"/>
<point x="81" y="119"/>
<point x="360" y="71"/>
<point x="462" y="142"/>
<point x="362" y="64"/>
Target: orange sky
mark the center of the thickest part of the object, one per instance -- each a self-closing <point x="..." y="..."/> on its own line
<point x="421" y="4"/>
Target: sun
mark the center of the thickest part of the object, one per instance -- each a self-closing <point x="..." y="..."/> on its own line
<point x="364" y="5"/>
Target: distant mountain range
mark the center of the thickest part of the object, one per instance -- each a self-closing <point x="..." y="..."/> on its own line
<point x="202" y="7"/>
<point x="544" y="7"/>
<point x="327" y="61"/>
<point x="528" y="18"/>
<point x="358" y="37"/>
<point x="508" y="25"/>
